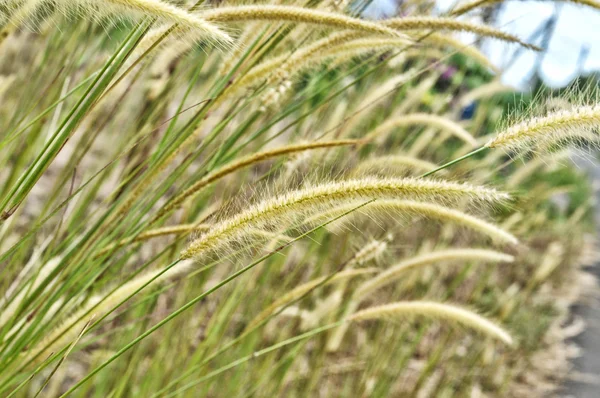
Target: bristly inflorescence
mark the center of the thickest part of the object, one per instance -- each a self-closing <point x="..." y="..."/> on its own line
<point x="577" y="123"/>
<point x="245" y="162"/>
<point x="393" y="273"/>
<point x="281" y="69"/>
<point x="392" y="208"/>
<point x="440" y="23"/>
<point x="163" y="11"/>
<point x="426" y="119"/>
<point x="275" y="13"/>
<point x="434" y="310"/>
<point x="308" y="200"/>
<point x="472" y="52"/>
<point x="397" y="271"/>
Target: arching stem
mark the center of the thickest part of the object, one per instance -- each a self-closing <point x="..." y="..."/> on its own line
<point x="442" y="167"/>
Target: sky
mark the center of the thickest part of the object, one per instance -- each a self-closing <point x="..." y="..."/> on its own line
<point x="577" y="29"/>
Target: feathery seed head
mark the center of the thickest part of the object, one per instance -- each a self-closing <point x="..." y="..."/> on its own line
<point x="437" y="23"/>
<point x="155" y="8"/>
<point x="245" y="162"/>
<point x="434" y="310"/>
<point x="371" y="251"/>
<point x="446" y="40"/>
<point x="440" y="122"/>
<point x="579" y="122"/>
<point x="308" y="200"/>
<point x="393" y="273"/>
<point x="384" y="208"/>
<point x="275" y="13"/>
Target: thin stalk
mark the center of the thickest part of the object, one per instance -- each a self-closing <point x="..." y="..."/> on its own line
<point x="453" y="162"/>
<point x="198" y="299"/>
<point x="256" y="354"/>
<point x="246" y="333"/>
<point x="11" y="137"/>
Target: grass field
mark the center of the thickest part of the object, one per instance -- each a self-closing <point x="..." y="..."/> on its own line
<point x="282" y="199"/>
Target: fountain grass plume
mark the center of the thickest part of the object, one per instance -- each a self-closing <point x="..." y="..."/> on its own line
<point x="186" y="22"/>
<point x="292" y="205"/>
<point x="245" y="162"/>
<point x="445" y="40"/>
<point x="337" y="45"/>
<point x="579" y="122"/>
<point x="393" y="273"/>
<point x="277" y="13"/>
<point x="440" y="122"/>
<point x="442" y="23"/>
<point x="411" y="208"/>
<point x="434" y="310"/>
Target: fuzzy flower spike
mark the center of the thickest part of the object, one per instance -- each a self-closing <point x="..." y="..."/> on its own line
<point x="161" y="10"/>
<point x="579" y="123"/>
<point x="295" y="204"/>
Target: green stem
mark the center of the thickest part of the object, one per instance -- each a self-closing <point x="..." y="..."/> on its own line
<point x="87" y="328"/>
<point x="256" y="354"/>
<point x="233" y="342"/>
<point x="442" y="167"/>
<point x="199" y="298"/>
